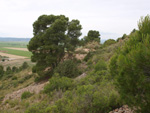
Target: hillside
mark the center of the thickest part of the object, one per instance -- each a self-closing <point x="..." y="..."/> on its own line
<point x="83" y="83"/>
<point x="72" y="76"/>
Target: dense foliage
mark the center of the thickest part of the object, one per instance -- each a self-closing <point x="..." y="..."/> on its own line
<point x="52" y="35"/>
<point x="57" y="83"/>
<point x="130" y="67"/>
<point x="94" y="93"/>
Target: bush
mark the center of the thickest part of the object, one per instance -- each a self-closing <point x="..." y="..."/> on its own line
<point x="56" y="83"/>
<point x="26" y="95"/>
<point x="68" y="68"/>
<point x="14" y="69"/>
<point x="8" y="70"/>
<point x="24" y="66"/>
<point x="100" y="65"/>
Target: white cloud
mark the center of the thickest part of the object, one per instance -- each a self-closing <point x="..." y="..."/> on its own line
<point x="112" y="18"/>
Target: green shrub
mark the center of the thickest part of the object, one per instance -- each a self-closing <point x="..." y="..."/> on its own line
<point x="56" y="83"/>
<point x="68" y="68"/>
<point x="93" y="94"/>
<point x="26" y="94"/>
<point x="100" y="65"/>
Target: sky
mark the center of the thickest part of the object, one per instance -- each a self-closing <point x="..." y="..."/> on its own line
<point x="112" y="18"/>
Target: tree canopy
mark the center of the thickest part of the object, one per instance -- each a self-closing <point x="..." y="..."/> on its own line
<point x="109" y="42"/>
<point x="92" y="35"/>
<point x="52" y="35"/>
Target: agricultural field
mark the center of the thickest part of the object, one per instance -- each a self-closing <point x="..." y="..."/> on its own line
<point x="14" y="53"/>
<point x="14" y="48"/>
<point x="13" y="44"/>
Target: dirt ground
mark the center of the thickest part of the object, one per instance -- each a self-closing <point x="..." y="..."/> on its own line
<point x="33" y="88"/>
<point x="22" y="49"/>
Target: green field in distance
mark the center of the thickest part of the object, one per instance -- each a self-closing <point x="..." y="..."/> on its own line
<point x="16" y="45"/>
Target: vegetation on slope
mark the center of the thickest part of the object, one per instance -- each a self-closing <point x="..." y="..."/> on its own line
<point x="117" y="73"/>
<point x="130" y="67"/>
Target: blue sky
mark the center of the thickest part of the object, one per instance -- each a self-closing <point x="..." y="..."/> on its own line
<point x="112" y="18"/>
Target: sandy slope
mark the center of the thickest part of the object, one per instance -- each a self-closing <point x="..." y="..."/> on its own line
<point x="33" y="88"/>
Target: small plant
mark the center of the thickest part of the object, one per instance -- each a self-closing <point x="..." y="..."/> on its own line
<point x="26" y="94"/>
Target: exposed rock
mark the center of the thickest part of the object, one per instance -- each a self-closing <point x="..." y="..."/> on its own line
<point x="123" y="109"/>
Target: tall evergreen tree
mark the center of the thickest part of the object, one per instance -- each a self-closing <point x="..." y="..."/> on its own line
<point x="92" y="35"/>
<point x="52" y="34"/>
